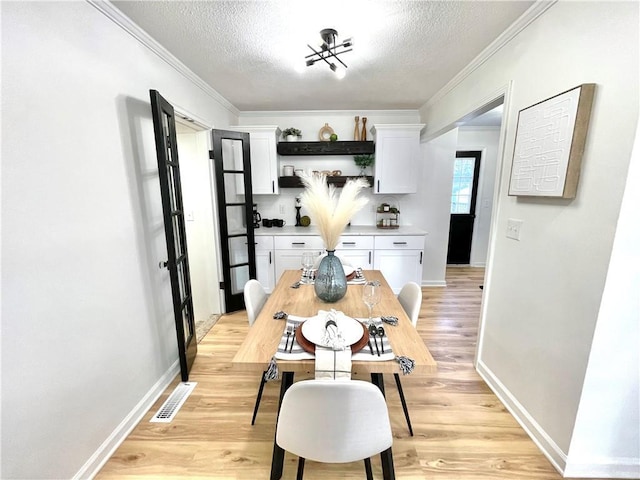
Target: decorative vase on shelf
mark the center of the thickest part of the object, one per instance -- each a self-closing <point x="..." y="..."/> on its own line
<point x="330" y="284"/>
<point x="292" y="138"/>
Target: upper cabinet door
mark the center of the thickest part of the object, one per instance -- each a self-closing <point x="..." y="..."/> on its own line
<point x="397" y="157"/>
<point x="264" y="158"/>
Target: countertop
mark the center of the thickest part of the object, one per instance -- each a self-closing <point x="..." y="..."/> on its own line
<point x="403" y="230"/>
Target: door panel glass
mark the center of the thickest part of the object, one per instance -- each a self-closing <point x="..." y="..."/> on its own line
<point x="238" y="250"/>
<point x="232" y="154"/>
<point x="181" y="281"/>
<point x="239" y="276"/>
<point x="462" y="185"/>
<point x="236" y="219"/>
<point x="172" y="188"/>
<point x="186" y="324"/>
<point x="178" y="240"/>
<point x="231" y="192"/>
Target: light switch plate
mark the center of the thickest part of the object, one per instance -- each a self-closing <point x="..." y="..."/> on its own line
<point x="513" y="228"/>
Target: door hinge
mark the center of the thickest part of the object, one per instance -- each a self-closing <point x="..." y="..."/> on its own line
<point x="221" y="285"/>
<point x="211" y="155"/>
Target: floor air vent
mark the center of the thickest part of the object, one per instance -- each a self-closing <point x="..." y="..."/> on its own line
<point x="171" y="406"/>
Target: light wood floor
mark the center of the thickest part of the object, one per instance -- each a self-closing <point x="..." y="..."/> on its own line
<point x="462" y="431"/>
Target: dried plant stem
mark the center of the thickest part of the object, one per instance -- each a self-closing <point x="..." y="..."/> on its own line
<point x="331" y="211"/>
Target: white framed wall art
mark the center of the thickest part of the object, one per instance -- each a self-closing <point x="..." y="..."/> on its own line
<point x="550" y="140"/>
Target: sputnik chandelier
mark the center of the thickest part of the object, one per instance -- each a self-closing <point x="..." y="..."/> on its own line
<point x="329" y="51"/>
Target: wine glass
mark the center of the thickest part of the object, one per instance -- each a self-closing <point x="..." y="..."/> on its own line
<point x="371" y="297"/>
<point x="308" y="259"/>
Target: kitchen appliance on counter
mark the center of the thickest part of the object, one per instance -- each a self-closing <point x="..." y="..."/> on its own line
<point x="256" y="216"/>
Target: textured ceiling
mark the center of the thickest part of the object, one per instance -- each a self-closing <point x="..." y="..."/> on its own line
<point x="404" y="51"/>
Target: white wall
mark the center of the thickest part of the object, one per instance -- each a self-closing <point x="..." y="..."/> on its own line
<point x="434" y="202"/>
<point x="88" y="336"/>
<point x="543" y="293"/>
<point x="608" y="417"/>
<point x="486" y="140"/>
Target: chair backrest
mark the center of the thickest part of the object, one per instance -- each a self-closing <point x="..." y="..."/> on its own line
<point x="254" y="299"/>
<point x="334" y="421"/>
<point x="410" y="298"/>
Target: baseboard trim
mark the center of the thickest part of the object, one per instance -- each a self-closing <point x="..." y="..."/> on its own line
<point x="433" y="283"/>
<point x="92" y="466"/>
<point x="544" y="442"/>
<point x="603" y="468"/>
<point x="478" y="264"/>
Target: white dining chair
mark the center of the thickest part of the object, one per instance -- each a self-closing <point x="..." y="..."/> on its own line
<point x="334" y="421"/>
<point x="410" y="297"/>
<point x="254" y="299"/>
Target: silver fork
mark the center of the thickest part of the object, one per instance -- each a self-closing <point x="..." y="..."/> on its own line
<point x="286" y="343"/>
<point x="293" y="338"/>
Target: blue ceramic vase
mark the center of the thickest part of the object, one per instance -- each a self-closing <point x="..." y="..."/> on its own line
<point x="331" y="283"/>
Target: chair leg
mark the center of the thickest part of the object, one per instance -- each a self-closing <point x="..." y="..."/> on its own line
<point x="300" y="468"/>
<point x="404" y="403"/>
<point x="367" y="468"/>
<point x="255" y="409"/>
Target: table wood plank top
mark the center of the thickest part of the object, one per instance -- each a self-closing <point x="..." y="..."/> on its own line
<point x="262" y="340"/>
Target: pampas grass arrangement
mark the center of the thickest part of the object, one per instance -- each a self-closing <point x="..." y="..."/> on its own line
<point x="331" y="211"/>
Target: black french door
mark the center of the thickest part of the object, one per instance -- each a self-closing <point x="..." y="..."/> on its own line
<point x="232" y="160"/>
<point x="463" y="206"/>
<point x="174" y="227"/>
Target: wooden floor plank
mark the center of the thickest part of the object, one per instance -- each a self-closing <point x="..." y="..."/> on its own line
<point x="462" y="431"/>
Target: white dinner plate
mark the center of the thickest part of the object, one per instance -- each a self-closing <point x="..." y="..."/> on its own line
<point x="315" y="328"/>
<point x="348" y="270"/>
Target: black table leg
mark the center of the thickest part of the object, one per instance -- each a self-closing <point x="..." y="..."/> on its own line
<point x="386" y="457"/>
<point x="277" y="460"/>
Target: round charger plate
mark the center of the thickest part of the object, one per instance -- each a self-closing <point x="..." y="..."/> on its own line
<point x="349" y="272"/>
<point x="314" y="329"/>
<point x="305" y="221"/>
<point x="311" y="347"/>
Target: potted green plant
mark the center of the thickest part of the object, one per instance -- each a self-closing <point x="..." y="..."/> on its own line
<point x="291" y="134"/>
<point x="364" y="161"/>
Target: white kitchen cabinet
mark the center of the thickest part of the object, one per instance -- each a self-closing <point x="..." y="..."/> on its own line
<point x="397" y="157"/>
<point x="263" y="140"/>
<point x="357" y="250"/>
<point x="399" y="258"/>
<point x="265" y="262"/>
<point x="289" y="248"/>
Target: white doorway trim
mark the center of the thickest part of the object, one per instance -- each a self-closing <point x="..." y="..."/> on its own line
<point x="207" y="247"/>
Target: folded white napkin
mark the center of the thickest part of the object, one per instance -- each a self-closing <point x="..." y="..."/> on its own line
<point x="335" y="364"/>
<point x="334" y="359"/>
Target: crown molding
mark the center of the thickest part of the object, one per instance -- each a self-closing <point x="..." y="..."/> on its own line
<point x="535" y="11"/>
<point x="124" y="22"/>
<point x="310" y="113"/>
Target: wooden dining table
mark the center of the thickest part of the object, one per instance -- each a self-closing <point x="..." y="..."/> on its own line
<point x="263" y="338"/>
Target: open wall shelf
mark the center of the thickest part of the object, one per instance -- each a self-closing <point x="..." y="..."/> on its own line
<point x="326" y="148"/>
<point x="338" y="181"/>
